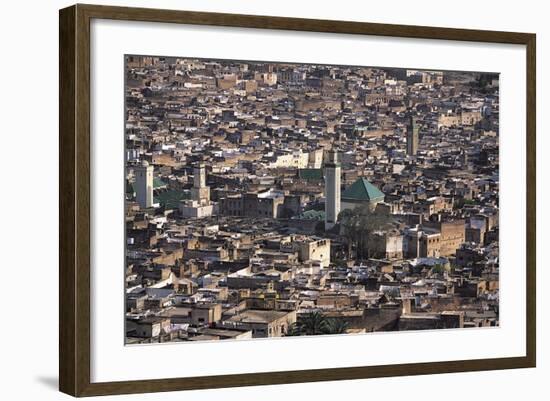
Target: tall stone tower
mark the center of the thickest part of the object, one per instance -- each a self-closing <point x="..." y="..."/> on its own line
<point x="412" y="136"/>
<point x="144" y="184"/>
<point x="332" y="190"/>
<point x="200" y="192"/>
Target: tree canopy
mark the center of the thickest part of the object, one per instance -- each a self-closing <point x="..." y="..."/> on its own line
<point x="315" y="323"/>
<point x="358" y="225"/>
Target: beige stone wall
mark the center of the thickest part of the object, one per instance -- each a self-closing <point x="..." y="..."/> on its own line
<point x="453" y="234"/>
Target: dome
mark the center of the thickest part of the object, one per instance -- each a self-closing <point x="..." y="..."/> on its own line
<point x="144" y="163"/>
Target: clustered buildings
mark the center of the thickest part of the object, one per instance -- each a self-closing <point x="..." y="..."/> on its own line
<point x="268" y="200"/>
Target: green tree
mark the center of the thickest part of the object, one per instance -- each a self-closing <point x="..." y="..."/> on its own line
<point x="350" y="229"/>
<point x="358" y="225"/>
<point x="310" y="324"/>
<point x="438" y="269"/>
<point x="293" y="330"/>
<point x="315" y="323"/>
<point x="336" y="326"/>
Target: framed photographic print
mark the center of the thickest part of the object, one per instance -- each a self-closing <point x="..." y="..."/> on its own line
<point x="249" y="200"/>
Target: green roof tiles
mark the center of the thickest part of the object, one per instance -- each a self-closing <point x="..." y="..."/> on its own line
<point x="157" y="183"/>
<point x="170" y="199"/>
<point x="312" y="215"/>
<point x="310" y="174"/>
<point x="363" y="190"/>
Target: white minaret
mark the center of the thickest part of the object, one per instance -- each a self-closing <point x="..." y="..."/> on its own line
<point x="200" y="192"/>
<point x="144" y="184"/>
<point x="332" y="190"/>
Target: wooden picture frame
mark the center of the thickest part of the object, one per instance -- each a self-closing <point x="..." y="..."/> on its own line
<point x="74" y="199"/>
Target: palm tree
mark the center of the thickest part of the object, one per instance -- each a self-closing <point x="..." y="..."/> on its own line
<point x="310" y="324"/>
<point x="336" y="326"/>
<point x="315" y="323"/>
<point x="293" y="330"/>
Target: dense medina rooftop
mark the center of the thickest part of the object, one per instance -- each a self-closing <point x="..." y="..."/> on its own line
<point x="274" y="200"/>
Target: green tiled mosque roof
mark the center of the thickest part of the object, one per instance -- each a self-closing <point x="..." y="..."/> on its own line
<point x="170" y="199"/>
<point x="362" y="190"/>
<point x="157" y="183"/>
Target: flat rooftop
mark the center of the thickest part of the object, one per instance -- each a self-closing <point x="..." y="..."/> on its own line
<point x="257" y="316"/>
